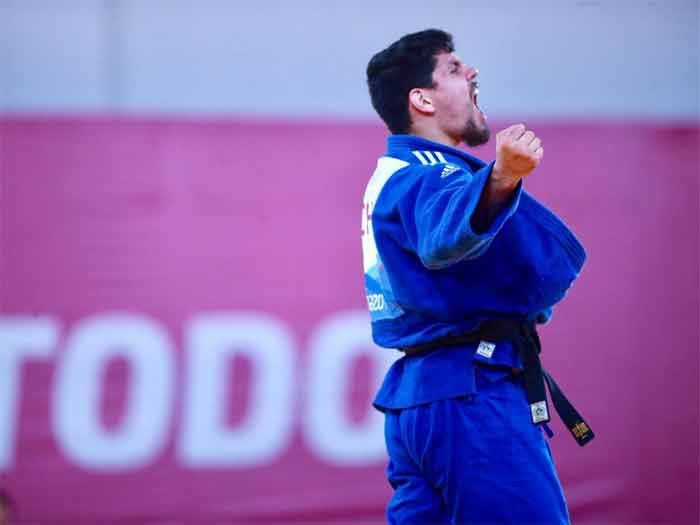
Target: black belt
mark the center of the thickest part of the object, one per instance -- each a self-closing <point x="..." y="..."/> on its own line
<point x="526" y="340"/>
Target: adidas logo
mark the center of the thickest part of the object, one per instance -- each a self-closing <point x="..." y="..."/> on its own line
<point x="448" y="170"/>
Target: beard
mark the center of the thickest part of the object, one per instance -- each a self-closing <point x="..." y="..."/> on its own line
<point x="475" y="134"/>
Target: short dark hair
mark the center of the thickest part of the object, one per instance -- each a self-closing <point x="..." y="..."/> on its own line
<point x="406" y="64"/>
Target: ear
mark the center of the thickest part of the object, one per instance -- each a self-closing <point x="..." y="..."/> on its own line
<point x="421" y="100"/>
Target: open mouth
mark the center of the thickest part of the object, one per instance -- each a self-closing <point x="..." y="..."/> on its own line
<point x="475" y="97"/>
<point x="475" y="93"/>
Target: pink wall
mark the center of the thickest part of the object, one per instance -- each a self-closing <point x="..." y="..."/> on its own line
<point x="110" y="224"/>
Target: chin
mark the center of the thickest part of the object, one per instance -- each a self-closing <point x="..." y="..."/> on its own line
<point x="476" y="135"/>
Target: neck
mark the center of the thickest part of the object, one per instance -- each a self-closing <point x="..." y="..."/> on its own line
<point x="434" y="135"/>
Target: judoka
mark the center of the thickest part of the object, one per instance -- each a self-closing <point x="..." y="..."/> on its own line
<point x="461" y="264"/>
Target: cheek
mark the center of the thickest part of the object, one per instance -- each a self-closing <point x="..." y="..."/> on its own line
<point x="451" y="105"/>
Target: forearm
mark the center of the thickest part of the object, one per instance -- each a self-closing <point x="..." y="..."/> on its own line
<point x="497" y="191"/>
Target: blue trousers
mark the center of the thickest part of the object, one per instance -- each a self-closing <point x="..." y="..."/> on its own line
<point x="472" y="460"/>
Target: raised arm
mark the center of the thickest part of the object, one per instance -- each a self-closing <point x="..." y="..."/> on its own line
<point x="455" y="220"/>
<point x="518" y="153"/>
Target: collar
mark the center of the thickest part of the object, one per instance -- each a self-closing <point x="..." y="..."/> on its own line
<point x="417" y="150"/>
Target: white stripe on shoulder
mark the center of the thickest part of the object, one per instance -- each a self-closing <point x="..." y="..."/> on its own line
<point x="430" y="157"/>
<point x="386" y="167"/>
<point x="420" y="157"/>
<point x="440" y="156"/>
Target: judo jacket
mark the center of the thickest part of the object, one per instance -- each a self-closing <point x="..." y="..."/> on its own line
<point x="428" y="274"/>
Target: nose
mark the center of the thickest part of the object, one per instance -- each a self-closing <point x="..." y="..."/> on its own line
<point x="471" y="73"/>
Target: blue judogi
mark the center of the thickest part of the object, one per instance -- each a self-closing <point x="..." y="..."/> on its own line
<point x="461" y="444"/>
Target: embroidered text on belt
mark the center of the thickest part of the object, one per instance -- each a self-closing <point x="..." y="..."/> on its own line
<point x="524" y="337"/>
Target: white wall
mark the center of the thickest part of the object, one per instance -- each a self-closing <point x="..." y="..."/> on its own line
<point x="548" y="58"/>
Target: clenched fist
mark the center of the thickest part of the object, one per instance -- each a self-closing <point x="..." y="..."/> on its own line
<point x="518" y="152"/>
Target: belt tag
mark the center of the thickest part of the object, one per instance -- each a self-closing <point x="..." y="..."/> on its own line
<point x="539" y="412"/>
<point x="582" y="432"/>
<point x="485" y="349"/>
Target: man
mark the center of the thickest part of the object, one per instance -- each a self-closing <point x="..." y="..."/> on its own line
<point x="460" y="263"/>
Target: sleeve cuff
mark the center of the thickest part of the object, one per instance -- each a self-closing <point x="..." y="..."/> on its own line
<point x="480" y="179"/>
